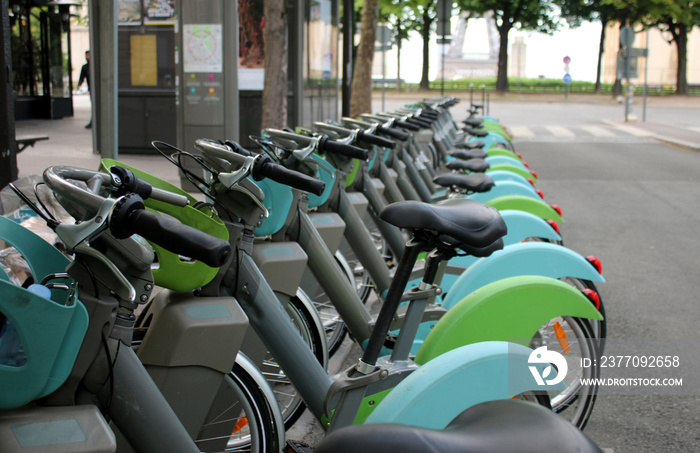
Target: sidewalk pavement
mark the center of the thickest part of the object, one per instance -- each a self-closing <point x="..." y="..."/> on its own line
<point x="667" y="133"/>
<point x="70" y="143"/>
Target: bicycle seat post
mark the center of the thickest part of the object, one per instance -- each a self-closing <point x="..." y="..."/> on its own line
<point x="386" y="315"/>
<point x="419" y="297"/>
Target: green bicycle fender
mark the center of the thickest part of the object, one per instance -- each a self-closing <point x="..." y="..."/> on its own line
<point x="433" y="395"/>
<point x="350" y="178"/>
<point x="525" y="173"/>
<point x="510" y="309"/>
<point x="506" y="160"/>
<point x="505" y="188"/>
<point x="527" y="204"/>
<point x="501" y="152"/>
<point x="499" y="131"/>
<point x="523" y="258"/>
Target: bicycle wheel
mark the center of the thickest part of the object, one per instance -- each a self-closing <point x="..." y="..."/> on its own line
<point x="332" y="322"/>
<point x="573" y="338"/>
<point x="240" y="419"/>
<point x="290" y="402"/>
<point x="599" y="328"/>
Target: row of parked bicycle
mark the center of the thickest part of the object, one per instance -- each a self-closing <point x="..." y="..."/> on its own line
<point x="214" y="333"/>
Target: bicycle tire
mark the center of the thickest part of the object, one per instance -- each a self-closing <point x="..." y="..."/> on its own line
<point x="334" y="326"/>
<point x="575" y="402"/>
<point x="290" y="402"/>
<point x="240" y="419"/>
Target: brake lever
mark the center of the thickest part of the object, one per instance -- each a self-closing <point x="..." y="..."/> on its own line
<point x="72" y="235"/>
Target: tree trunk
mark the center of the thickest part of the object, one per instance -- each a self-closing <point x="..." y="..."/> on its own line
<point x="601" y="48"/>
<point x="682" y="69"/>
<point x="502" y="76"/>
<point x="398" y="55"/>
<point x="617" y="87"/>
<point x="274" y="98"/>
<point x="361" y="89"/>
<point x="425" y="33"/>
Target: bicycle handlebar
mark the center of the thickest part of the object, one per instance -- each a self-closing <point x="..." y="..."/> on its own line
<point x="395" y="133"/>
<point x="130" y="183"/>
<point x="172" y="235"/>
<point x="406" y="125"/>
<point x="325" y="145"/>
<point x="375" y="139"/>
<point x="130" y="217"/>
<point x="264" y="167"/>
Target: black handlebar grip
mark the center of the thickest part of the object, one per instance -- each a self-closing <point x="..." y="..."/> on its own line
<point x="129" y="217"/>
<point x="419" y="122"/>
<point x="238" y="148"/>
<point x="395" y="133"/>
<point x="130" y="183"/>
<point x="330" y="146"/>
<point x="265" y="168"/>
<point x="405" y="125"/>
<point x="375" y="140"/>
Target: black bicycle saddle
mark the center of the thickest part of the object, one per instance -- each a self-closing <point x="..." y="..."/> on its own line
<point x="476" y="165"/>
<point x="458" y="222"/>
<point x="470" y="145"/>
<point x="505" y="426"/>
<point x="474" y="182"/>
<point x="466" y="154"/>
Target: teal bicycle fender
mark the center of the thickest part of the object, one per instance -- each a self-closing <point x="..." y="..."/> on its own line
<point x="511" y="309"/>
<point x="523" y="258"/>
<point x="519" y="170"/>
<point x="507" y="160"/>
<point x="527" y="204"/>
<point x="502" y="175"/>
<point x="505" y="188"/>
<point x="523" y="225"/>
<point x="490" y="140"/>
<point x="438" y="391"/>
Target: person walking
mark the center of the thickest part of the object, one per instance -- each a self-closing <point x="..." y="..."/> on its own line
<point x="85" y="77"/>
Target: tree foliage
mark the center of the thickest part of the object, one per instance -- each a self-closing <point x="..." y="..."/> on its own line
<point x="536" y="15"/>
<point x="578" y="11"/>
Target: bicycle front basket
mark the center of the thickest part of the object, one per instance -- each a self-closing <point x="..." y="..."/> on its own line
<point x="40" y="336"/>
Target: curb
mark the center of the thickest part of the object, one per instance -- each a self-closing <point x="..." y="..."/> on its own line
<point x="645" y="133"/>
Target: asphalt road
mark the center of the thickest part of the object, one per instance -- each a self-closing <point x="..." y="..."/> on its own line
<point x="634" y="205"/>
<point x="633" y="202"/>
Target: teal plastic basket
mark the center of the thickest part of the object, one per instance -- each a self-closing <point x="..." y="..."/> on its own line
<point x="50" y="331"/>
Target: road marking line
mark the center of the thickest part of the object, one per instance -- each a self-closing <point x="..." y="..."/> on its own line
<point x="559" y="131"/>
<point x="521" y="131"/>
<point x="598" y="131"/>
<point x="634" y="130"/>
